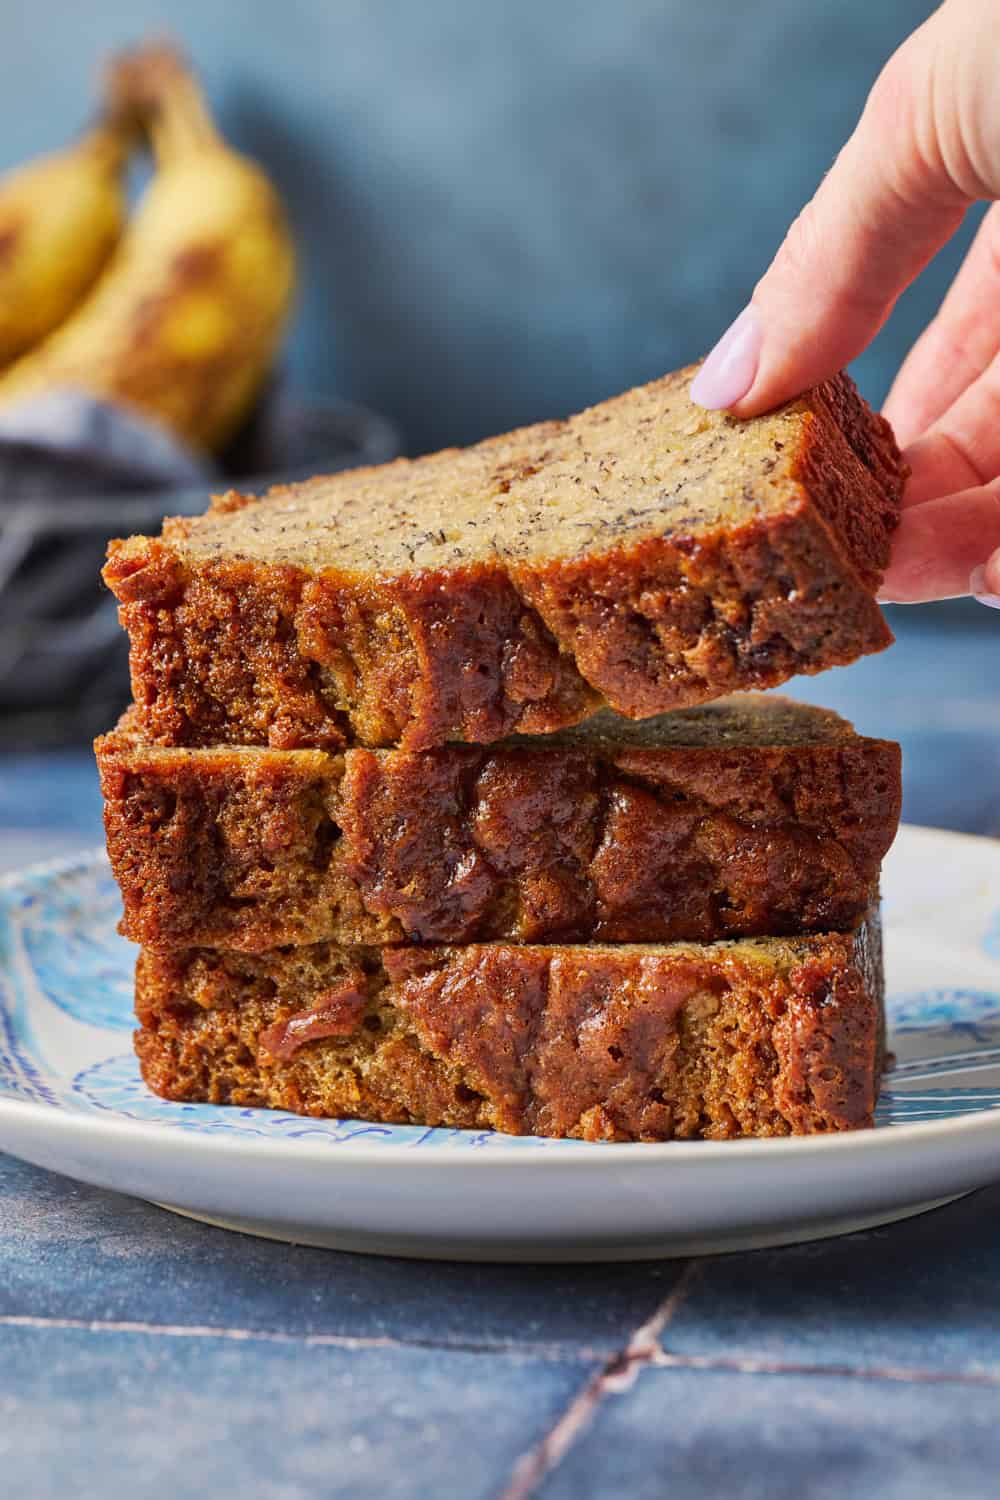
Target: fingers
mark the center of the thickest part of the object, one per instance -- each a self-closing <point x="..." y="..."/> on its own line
<point x="940" y="544"/>
<point x="962" y="448"/>
<point x="937" y="468"/>
<point x="957" y="346"/>
<point x="927" y="146"/>
<point x="896" y="193"/>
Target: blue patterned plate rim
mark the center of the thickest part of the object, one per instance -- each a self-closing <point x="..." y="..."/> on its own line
<point x="158" y="1137"/>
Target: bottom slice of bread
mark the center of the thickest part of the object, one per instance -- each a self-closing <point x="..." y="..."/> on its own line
<point x="757" y="1037"/>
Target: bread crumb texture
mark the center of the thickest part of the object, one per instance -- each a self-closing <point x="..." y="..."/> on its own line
<point x="644" y="554"/>
<point x="749" y="816"/>
<point x="755" y="1037"/>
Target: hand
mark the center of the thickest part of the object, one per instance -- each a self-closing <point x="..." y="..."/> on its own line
<point x="926" y="148"/>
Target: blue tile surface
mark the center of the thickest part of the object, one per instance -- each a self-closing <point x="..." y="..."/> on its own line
<point x="923" y="1295"/>
<point x="98" y="1416"/>
<point x="67" y="1250"/>
<point x="50" y="805"/>
<point x="694" y="1434"/>
<point x="51" y="790"/>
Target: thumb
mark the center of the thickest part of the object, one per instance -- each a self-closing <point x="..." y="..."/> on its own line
<point x="896" y="193"/>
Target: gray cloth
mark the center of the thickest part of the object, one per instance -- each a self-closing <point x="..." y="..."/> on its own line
<point x="64" y="444"/>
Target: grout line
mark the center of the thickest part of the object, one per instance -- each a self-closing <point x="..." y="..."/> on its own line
<point x="554" y="1353"/>
<point x="195" y="1331"/>
<point x="532" y="1467"/>
<point x="751" y="1365"/>
<point x="644" y="1344"/>
<point x="617" y="1375"/>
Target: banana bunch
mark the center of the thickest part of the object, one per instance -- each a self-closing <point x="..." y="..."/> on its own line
<point x="60" y="219"/>
<point x="185" y="319"/>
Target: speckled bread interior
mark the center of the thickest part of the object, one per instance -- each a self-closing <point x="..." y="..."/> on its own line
<point x="759" y="1037"/>
<point x="753" y="815"/>
<point x="645" y="554"/>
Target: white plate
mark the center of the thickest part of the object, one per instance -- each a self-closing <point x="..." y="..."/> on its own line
<point x="71" y="1099"/>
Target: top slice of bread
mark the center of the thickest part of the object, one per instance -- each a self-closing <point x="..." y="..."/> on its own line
<point x="645" y="554"/>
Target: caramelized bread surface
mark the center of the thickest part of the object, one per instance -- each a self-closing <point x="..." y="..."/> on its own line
<point x="754" y="1037"/>
<point x="751" y="815"/>
<point x="645" y="554"/>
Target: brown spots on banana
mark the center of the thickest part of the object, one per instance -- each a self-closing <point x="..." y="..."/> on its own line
<point x="195" y="262"/>
<point x="10" y="236"/>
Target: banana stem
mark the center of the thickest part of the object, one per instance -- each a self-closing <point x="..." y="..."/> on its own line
<point x="155" y="88"/>
<point x="182" y="123"/>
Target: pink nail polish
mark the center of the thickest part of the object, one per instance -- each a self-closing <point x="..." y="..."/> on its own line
<point x="977" y="588"/>
<point x="731" y="368"/>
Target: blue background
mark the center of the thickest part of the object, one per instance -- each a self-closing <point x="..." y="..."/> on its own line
<point x="505" y="211"/>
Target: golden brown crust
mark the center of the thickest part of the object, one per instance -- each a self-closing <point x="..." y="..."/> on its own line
<point x="225" y="648"/>
<point x="753" y="1038"/>
<point x="590" y="836"/>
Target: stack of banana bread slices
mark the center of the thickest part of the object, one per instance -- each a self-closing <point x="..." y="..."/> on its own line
<point x="446" y="795"/>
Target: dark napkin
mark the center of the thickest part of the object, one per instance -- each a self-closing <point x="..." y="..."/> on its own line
<point x="63" y="443"/>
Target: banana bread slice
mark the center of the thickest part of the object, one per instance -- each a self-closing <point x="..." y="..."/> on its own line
<point x="645" y="554"/>
<point x="751" y="815"/>
<point x="765" y="1036"/>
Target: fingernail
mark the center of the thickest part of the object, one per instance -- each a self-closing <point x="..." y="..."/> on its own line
<point x="977" y="588"/>
<point x="731" y="368"/>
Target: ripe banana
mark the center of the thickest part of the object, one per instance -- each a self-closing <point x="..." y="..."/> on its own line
<point x="60" y="218"/>
<point x="184" y="323"/>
